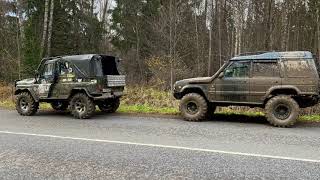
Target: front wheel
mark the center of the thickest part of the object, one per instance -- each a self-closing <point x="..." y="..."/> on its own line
<point x="110" y="105"/>
<point x="26" y="105"/>
<point x="282" y="111"/>
<point x="81" y="106"/>
<point x="193" y="107"/>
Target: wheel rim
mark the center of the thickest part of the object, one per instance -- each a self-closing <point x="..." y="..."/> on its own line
<point x="24" y="105"/>
<point x="282" y="111"/>
<point x="80" y="106"/>
<point x="192" y="108"/>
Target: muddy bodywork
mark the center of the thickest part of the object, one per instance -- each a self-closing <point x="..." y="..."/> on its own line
<point x="253" y="79"/>
<point x="59" y="78"/>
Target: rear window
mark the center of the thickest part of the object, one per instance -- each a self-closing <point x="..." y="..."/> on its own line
<point x="298" y="68"/>
<point x="266" y="69"/>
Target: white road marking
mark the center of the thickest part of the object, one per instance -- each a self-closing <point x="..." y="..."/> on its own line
<point x="165" y="146"/>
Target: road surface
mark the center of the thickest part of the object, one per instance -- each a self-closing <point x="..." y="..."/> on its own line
<point x="56" y="146"/>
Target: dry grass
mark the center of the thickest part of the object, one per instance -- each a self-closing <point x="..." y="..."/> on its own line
<point x="149" y="97"/>
<point x="5" y="91"/>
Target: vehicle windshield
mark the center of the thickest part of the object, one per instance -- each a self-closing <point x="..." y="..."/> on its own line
<point x="222" y="68"/>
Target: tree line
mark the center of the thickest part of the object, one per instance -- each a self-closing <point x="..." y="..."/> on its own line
<point x="160" y="41"/>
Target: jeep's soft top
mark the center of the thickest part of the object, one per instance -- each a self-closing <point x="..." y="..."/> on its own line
<point x="88" y="65"/>
<point x="275" y="56"/>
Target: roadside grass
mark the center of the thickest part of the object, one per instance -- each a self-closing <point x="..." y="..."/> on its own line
<point x="142" y="100"/>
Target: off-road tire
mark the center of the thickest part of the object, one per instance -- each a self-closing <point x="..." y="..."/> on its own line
<point x="287" y="102"/>
<point x="81" y="106"/>
<point x="211" y="110"/>
<point x="26" y="105"/>
<point x="59" y="106"/>
<point x="187" y="111"/>
<point x="109" y="106"/>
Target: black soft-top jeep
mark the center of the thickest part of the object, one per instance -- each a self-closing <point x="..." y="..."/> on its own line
<point x="79" y="82"/>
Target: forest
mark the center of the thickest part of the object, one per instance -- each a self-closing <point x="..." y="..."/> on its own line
<point x="159" y="41"/>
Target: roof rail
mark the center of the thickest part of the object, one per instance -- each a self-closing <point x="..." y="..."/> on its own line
<point x="253" y="53"/>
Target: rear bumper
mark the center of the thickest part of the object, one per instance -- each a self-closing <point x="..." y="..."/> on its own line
<point x="108" y="95"/>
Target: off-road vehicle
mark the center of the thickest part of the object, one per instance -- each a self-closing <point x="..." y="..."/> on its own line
<point x="77" y="82"/>
<point x="280" y="82"/>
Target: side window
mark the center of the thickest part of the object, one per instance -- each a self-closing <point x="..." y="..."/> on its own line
<point x="266" y="69"/>
<point x="48" y="70"/>
<point x="297" y="68"/>
<point x="64" y="68"/>
<point x="237" y="70"/>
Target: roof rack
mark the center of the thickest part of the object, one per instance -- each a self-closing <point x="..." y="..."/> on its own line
<point x="253" y="53"/>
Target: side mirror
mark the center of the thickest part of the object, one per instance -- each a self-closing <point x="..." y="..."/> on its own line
<point x="221" y="75"/>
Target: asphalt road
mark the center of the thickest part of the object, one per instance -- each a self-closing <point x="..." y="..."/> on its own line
<point x="56" y="146"/>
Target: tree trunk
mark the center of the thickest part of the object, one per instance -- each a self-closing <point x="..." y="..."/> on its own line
<point x="45" y="27"/>
<point x="50" y="28"/>
<point x="318" y="32"/>
<point x="269" y="25"/>
<point x="219" y="30"/>
<point x="210" y="39"/>
<point x="92" y="8"/>
<point x="197" y="41"/>
<point x="170" y="45"/>
<point x="105" y="24"/>
<point x="18" y="39"/>
<point x="138" y="50"/>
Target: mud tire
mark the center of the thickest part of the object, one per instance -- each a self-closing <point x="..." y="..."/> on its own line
<point x="109" y="106"/>
<point x="282" y="111"/>
<point x="26" y="105"/>
<point x="81" y="106"/>
<point x="193" y="107"/>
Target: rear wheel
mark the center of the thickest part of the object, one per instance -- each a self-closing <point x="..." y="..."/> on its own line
<point x="81" y="106"/>
<point x="282" y="111"/>
<point x="26" y="105"/>
<point x="110" y="105"/>
<point x="193" y="107"/>
<point x="59" y="106"/>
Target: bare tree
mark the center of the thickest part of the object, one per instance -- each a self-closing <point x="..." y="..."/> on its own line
<point x="197" y="38"/>
<point x="45" y="27"/>
<point x="211" y="13"/>
<point x="18" y="38"/>
<point x="50" y="28"/>
<point x="318" y="32"/>
<point x="268" y="38"/>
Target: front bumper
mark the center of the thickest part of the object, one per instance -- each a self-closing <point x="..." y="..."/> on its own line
<point x="177" y="95"/>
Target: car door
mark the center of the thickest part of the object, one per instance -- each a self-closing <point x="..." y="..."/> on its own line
<point x="46" y="79"/>
<point x="65" y="82"/>
<point x="265" y="74"/>
<point x="233" y="85"/>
